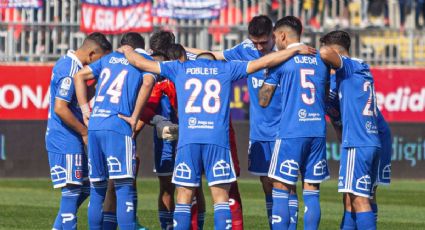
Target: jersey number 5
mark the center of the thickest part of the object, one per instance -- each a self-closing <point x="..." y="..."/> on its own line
<point x="307" y="85"/>
<point x="212" y="90"/>
<point x="114" y="90"/>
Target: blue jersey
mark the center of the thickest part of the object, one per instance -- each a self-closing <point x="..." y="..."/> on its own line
<point x="116" y="92"/>
<point x="358" y="104"/>
<point x="332" y="102"/>
<point x="203" y="93"/>
<point x="264" y="122"/>
<point x="302" y="79"/>
<point x="59" y="137"/>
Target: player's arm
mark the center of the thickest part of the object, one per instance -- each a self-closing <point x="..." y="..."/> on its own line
<point x="139" y="61"/>
<point x="219" y="55"/>
<point x="275" y="58"/>
<point x="141" y="101"/>
<point x="66" y="115"/>
<point x="80" y="79"/>
<point x="330" y="57"/>
<point x="265" y="94"/>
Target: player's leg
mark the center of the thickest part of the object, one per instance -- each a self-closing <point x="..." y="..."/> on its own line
<point x="357" y="174"/>
<point x="259" y="157"/>
<point x="121" y="158"/>
<point x="235" y="200"/>
<point x="198" y="209"/>
<point x="98" y="179"/>
<point x="384" y="168"/>
<point x="164" y="154"/>
<point x="165" y="201"/>
<point x="220" y="173"/>
<point x="186" y="177"/>
<point x="348" y="221"/>
<point x="78" y="172"/>
<point x="284" y="169"/>
<point x="110" y="208"/>
<point x="314" y="170"/>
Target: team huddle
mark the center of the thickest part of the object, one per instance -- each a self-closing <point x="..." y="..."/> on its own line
<point x="102" y="99"/>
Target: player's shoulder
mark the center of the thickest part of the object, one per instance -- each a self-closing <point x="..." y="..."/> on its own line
<point x="65" y="67"/>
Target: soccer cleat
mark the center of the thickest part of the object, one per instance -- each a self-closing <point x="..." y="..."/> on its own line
<point x="140" y="227"/>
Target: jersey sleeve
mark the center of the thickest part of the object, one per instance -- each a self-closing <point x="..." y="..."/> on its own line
<point x="238" y="69"/>
<point x="65" y="89"/>
<point x="274" y="76"/>
<point x="345" y="69"/>
<point x="234" y="53"/>
<point x="169" y="69"/>
<point x="96" y="68"/>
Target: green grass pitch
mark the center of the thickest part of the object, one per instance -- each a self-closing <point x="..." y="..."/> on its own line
<point x="33" y="204"/>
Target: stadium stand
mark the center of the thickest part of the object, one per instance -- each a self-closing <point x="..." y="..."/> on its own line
<point x="387" y="32"/>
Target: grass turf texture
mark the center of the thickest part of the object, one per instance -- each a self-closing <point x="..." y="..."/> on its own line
<point x="33" y="204"/>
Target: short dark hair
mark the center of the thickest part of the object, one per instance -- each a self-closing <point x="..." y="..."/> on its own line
<point x="175" y="51"/>
<point x="133" y="39"/>
<point x="291" y="22"/>
<point x="160" y="41"/>
<point x="337" y="37"/>
<point x="206" y="55"/>
<point x="100" y="40"/>
<point x="260" y="25"/>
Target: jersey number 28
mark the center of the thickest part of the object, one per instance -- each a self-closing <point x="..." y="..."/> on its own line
<point x="212" y="90"/>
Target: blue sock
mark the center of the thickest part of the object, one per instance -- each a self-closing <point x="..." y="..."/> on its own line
<point x="85" y="193"/>
<point x="269" y="206"/>
<point x="110" y="221"/>
<point x="348" y="221"/>
<point x="69" y="206"/>
<point x="312" y="212"/>
<point x="124" y="189"/>
<point x="201" y="220"/>
<point x="293" y="211"/>
<point x="374" y="207"/>
<point x="182" y="217"/>
<point x="97" y="196"/>
<point x="166" y="220"/>
<point x="57" y="225"/>
<point x="280" y="212"/>
<point x="365" y="220"/>
<point x="222" y="216"/>
<point x="134" y="195"/>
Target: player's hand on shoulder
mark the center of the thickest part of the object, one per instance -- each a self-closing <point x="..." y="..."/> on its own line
<point x="307" y="50"/>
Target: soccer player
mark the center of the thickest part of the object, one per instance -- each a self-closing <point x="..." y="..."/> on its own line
<point x="361" y="138"/>
<point x="122" y="90"/>
<point x="264" y="122"/>
<point x="203" y="89"/>
<point x="301" y="144"/>
<point x="66" y="133"/>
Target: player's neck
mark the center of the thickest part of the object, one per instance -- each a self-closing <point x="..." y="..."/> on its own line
<point x="293" y="42"/>
<point x="80" y="55"/>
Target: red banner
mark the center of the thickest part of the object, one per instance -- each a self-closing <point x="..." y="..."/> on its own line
<point x="24" y="94"/>
<point x="400" y="93"/>
<point x="116" y="19"/>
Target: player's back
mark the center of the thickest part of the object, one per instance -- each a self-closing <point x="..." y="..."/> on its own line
<point x="302" y="89"/>
<point x="203" y="92"/>
<point x="59" y="137"/>
<point x="264" y="122"/>
<point x="116" y="92"/>
<point x="358" y="104"/>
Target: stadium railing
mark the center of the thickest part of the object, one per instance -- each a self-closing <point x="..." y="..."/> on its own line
<point x="44" y="34"/>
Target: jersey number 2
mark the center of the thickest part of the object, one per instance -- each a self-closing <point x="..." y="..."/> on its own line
<point x="212" y="90"/>
<point x="368" y="111"/>
<point x="114" y="90"/>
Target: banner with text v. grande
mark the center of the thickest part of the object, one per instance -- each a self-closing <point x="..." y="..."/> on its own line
<point x="116" y="17"/>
